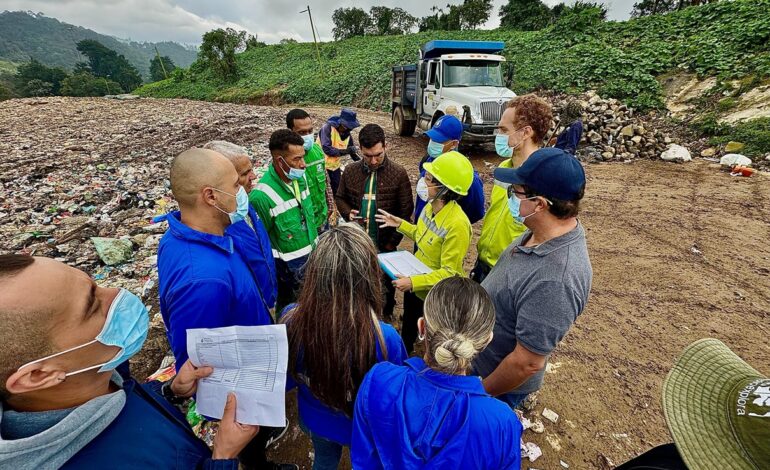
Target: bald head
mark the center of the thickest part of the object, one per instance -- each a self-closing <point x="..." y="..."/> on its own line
<point x="196" y="169"/>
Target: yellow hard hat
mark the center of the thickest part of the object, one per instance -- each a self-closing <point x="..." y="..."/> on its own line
<point x="452" y="170"/>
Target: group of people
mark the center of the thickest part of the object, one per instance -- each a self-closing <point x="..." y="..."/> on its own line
<point x="300" y="247"/>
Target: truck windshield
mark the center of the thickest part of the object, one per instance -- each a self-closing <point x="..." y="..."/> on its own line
<point x="464" y="73"/>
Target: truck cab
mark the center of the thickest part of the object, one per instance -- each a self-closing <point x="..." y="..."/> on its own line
<point x="468" y="79"/>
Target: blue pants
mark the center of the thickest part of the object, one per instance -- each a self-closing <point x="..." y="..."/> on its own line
<point x="513" y="399"/>
<point x="327" y="453"/>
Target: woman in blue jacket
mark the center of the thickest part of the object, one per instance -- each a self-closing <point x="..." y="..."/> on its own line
<point x="428" y="413"/>
<point x="335" y="337"/>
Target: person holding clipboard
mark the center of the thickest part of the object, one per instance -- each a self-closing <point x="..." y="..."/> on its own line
<point x="442" y="234"/>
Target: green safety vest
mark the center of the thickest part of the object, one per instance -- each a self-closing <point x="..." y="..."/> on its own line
<point x="316" y="182"/>
<point x="288" y="214"/>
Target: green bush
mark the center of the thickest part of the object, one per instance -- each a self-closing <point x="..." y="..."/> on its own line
<point x="620" y="59"/>
<point x="755" y="134"/>
<point x="85" y="84"/>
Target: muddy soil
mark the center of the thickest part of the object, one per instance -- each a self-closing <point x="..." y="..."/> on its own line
<point x="679" y="252"/>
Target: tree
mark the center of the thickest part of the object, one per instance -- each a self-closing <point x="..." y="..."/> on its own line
<point x="5" y="93"/>
<point x="161" y="67"/>
<point x="218" y="51"/>
<point x="580" y="6"/>
<point x="34" y="70"/>
<point x="525" y="15"/>
<point x="390" y="21"/>
<point x="350" y="22"/>
<point x="104" y="62"/>
<point x="440" y="20"/>
<point x="86" y="84"/>
<point x="474" y="13"/>
<point x="655" y="7"/>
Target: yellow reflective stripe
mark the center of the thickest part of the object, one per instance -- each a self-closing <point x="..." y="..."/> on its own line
<point x="270" y="192"/>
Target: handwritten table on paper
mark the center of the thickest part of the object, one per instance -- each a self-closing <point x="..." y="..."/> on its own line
<point x="249" y="360"/>
<point x="403" y="263"/>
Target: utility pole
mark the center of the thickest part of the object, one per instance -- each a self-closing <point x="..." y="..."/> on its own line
<point x="312" y="28"/>
<point x="160" y="59"/>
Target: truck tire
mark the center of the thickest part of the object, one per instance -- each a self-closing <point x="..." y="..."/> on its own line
<point x="403" y="127"/>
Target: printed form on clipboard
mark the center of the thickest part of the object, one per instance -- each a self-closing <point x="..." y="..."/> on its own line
<point x="403" y="263"/>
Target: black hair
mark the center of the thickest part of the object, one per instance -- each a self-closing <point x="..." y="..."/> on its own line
<point x="561" y="208"/>
<point x="295" y="114"/>
<point x="282" y="138"/>
<point x="371" y="135"/>
<point x="11" y="264"/>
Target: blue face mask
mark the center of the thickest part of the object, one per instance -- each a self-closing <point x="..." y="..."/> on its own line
<point x="294" y="173"/>
<point x="309" y="140"/>
<point x="501" y="146"/>
<point x="435" y="149"/>
<point x="514" y="206"/>
<point x="125" y="327"/>
<point x="241" y="208"/>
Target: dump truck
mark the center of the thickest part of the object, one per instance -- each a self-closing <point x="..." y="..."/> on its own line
<point x="469" y="79"/>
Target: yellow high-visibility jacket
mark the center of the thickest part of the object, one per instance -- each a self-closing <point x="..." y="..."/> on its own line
<point x="442" y="243"/>
<point x="499" y="229"/>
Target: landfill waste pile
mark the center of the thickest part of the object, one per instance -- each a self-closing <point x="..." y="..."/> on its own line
<point x="81" y="180"/>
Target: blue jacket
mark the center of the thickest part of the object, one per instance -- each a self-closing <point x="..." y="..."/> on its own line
<point x="411" y="416"/>
<point x="569" y="138"/>
<point x="472" y="204"/>
<point x="331" y="424"/>
<point x="148" y="433"/>
<point x="208" y="281"/>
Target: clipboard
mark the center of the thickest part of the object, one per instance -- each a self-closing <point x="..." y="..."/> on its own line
<point x="403" y="263"/>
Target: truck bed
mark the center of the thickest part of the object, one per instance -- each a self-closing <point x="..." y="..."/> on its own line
<point x="404" y="85"/>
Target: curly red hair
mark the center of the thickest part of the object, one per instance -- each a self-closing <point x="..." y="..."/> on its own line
<point x="533" y="111"/>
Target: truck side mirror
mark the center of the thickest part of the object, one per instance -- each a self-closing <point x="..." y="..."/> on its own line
<point x="509" y="75"/>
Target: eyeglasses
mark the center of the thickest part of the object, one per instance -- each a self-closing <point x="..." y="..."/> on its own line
<point x="525" y="195"/>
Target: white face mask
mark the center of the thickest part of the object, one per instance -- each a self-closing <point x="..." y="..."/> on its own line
<point x="422" y="189"/>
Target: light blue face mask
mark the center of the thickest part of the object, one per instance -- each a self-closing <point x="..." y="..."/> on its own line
<point x="294" y="173"/>
<point x="241" y="208"/>
<point x="514" y="206"/>
<point x="309" y="140"/>
<point x="125" y="327"/>
<point x="435" y="149"/>
<point x="501" y="146"/>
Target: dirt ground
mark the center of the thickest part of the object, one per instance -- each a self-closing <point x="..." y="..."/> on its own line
<point x="679" y="252"/>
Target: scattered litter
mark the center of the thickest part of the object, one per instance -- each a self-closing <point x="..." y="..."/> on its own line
<point x="531" y="451"/>
<point x="733" y="159"/>
<point x="551" y="367"/>
<point x="550" y="415"/>
<point x="537" y="427"/>
<point x="694" y="250"/>
<point x="113" y="251"/>
<point x="738" y="170"/>
<point x="563" y="464"/>
<point x="619" y="436"/>
<point x="676" y="153"/>
<point x="553" y="439"/>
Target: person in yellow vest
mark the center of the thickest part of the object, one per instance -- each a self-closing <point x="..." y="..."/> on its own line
<point x="520" y="132"/>
<point x="335" y="141"/>
<point x="442" y="233"/>
<point x="299" y="121"/>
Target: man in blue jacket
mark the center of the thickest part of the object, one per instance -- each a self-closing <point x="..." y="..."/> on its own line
<point x="444" y="137"/>
<point x="214" y="268"/>
<point x="57" y="410"/>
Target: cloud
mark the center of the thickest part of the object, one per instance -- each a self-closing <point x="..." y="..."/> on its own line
<point x="186" y="20"/>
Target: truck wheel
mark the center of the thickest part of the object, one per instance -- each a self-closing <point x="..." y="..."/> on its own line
<point x="403" y="127"/>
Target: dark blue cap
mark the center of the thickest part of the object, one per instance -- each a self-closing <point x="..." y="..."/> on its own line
<point x="549" y="172"/>
<point x="348" y="118"/>
<point x="446" y="128"/>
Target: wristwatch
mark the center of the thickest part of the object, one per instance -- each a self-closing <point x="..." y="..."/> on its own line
<point x="168" y="394"/>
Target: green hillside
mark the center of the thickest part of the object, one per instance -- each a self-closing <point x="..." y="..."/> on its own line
<point x="26" y="35"/>
<point x="620" y="59"/>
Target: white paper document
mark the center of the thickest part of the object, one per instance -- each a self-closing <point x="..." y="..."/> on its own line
<point x="403" y="263"/>
<point x="248" y="360"/>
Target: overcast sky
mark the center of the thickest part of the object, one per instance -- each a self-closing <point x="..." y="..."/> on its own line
<point x="186" y="20"/>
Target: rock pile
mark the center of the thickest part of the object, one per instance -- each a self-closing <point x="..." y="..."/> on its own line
<point x="611" y="130"/>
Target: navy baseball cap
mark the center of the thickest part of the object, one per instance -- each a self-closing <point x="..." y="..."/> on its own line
<point x="446" y="128"/>
<point x="549" y="172"/>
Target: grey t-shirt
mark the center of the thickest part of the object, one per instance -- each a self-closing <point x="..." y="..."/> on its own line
<point x="538" y="293"/>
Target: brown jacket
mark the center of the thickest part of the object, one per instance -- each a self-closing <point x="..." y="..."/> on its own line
<point x="394" y="195"/>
